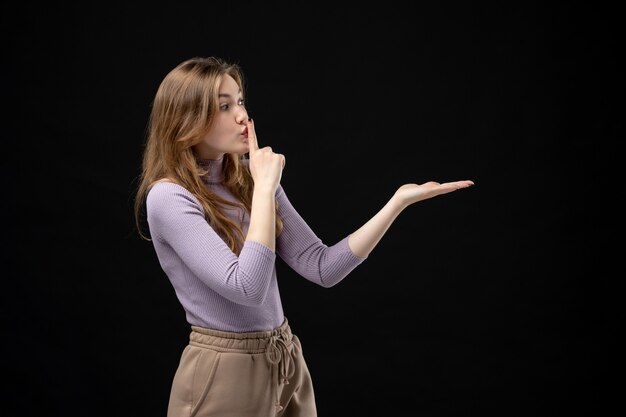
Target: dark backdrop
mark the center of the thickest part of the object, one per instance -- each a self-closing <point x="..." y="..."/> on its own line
<point x="488" y="301"/>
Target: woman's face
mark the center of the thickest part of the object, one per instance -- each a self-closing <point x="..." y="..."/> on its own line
<point x="229" y="133"/>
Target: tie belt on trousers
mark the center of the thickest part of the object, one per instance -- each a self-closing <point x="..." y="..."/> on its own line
<point x="281" y="352"/>
<point x="282" y="360"/>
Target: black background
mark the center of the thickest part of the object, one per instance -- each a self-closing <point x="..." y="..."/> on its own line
<point x="495" y="300"/>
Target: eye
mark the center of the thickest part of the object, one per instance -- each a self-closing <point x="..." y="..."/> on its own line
<point x="241" y="102"/>
<point x="224" y="106"/>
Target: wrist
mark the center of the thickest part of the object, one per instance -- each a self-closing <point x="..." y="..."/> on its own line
<point x="264" y="189"/>
<point x="397" y="203"/>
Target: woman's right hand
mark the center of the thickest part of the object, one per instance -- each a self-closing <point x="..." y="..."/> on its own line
<point x="412" y="193"/>
<point x="266" y="166"/>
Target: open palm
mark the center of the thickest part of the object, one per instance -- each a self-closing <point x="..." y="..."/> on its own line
<point x="412" y="193"/>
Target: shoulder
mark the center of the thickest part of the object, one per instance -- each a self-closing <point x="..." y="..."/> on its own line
<point x="166" y="195"/>
<point x="162" y="180"/>
<point x="164" y="185"/>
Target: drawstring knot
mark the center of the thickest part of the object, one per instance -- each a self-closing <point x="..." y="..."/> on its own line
<point x="279" y="357"/>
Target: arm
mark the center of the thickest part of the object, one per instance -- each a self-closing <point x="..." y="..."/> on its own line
<point x="367" y="237"/>
<point x="262" y="226"/>
<point x="363" y="240"/>
<point x="176" y="221"/>
<point x="306" y="254"/>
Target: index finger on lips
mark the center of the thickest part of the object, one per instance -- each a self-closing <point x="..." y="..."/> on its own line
<point x="254" y="145"/>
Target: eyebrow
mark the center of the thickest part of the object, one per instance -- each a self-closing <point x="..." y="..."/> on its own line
<point x="227" y="95"/>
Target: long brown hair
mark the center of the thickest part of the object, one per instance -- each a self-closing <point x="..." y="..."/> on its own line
<point x="183" y="111"/>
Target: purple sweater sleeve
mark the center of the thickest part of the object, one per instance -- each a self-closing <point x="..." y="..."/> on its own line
<point x="306" y="254"/>
<point x="176" y="218"/>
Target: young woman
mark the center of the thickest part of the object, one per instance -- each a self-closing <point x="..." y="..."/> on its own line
<point x="217" y="216"/>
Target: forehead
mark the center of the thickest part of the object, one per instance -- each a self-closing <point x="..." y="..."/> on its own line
<point x="229" y="86"/>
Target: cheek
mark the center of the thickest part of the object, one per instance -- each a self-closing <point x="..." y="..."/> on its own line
<point x="214" y="137"/>
<point x="219" y="133"/>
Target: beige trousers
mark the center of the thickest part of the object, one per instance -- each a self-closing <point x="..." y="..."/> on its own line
<point x="257" y="374"/>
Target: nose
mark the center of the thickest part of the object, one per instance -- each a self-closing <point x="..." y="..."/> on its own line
<point x="242" y="116"/>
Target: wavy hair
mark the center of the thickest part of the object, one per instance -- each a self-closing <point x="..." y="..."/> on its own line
<point x="183" y="111"/>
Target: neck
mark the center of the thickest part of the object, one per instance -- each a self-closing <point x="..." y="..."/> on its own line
<point x="214" y="168"/>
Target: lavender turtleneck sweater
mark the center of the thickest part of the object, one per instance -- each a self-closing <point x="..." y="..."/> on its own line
<point x="223" y="291"/>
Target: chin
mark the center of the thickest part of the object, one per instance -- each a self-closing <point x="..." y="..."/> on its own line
<point x="243" y="150"/>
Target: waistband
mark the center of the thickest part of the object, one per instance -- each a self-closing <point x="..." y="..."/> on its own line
<point x="280" y="351"/>
<point x="245" y="342"/>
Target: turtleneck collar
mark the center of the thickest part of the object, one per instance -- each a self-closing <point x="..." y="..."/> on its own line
<point x="215" y="174"/>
